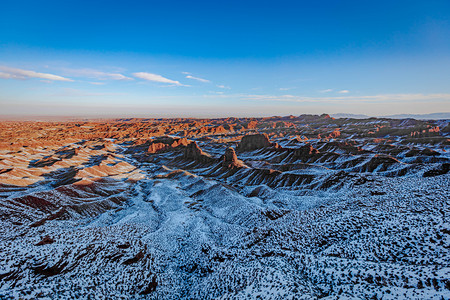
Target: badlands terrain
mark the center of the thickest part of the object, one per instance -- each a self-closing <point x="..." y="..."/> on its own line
<point x="296" y="207"/>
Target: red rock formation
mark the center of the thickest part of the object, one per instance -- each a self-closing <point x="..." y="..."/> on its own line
<point x="218" y="130"/>
<point x="193" y="152"/>
<point x="230" y="160"/>
<point x="156" y="147"/>
<point x="253" y="142"/>
<point x="335" y="134"/>
<point x="282" y="124"/>
<point x="166" y="143"/>
<point x="252" y="125"/>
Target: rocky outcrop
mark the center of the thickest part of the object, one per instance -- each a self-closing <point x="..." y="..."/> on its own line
<point x="166" y="143"/>
<point x="314" y="118"/>
<point x="251" y="125"/>
<point x="305" y="152"/>
<point x="254" y="142"/>
<point x="335" y="134"/>
<point x="156" y="147"/>
<point x="230" y="160"/>
<point x="193" y="152"/>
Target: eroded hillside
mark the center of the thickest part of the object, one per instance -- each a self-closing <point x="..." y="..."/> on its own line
<point x="282" y="208"/>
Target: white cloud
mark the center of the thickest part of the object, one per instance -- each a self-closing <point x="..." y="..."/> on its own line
<point x="99" y="75"/>
<point x="185" y="73"/>
<point x="344" y="92"/>
<point x="156" y="78"/>
<point x="326" y="91"/>
<point x="14" y="73"/>
<point x="221" y="86"/>
<point x="197" y="78"/>
<point x="286" y="89"/>
<point x="216" y="93"/>
<point x="5" y="75"/>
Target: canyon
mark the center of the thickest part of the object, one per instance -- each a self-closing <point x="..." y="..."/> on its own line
<point x="292" y="207"/>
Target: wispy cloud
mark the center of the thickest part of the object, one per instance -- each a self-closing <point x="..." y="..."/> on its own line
<point x="216" y="93"/>
<point x="5" y="75"/>
<point x="345" y="99"/>
<point x="221" y="86"/>
<point x="70" y="92"/>
<point x="198" y="79"/>
<point x="344" y="92"/>
<point x="15" y="73"/>
<point x="326" y="91"/>
<point x="99" y="75"/>
<point x="286" y="88"/>
<point x="156" y="78"/>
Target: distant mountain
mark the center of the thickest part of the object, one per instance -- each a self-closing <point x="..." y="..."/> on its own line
<point x="433" y="116"/>
<point x="352" y="116"/>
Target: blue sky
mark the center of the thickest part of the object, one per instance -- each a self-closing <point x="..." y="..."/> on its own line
<point x="230" y="58"/>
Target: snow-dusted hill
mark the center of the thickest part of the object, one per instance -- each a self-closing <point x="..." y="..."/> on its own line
<point x="363" y="214"/>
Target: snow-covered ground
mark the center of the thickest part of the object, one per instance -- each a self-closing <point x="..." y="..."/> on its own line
<point x="161" y="228"/>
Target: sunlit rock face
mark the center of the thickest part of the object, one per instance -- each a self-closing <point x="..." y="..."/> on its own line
<point x="230" y="159"/>
<point x="297" y="207"/>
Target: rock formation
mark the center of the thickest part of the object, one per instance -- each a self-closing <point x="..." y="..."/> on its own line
<point x="193" y="152"/>
<point x="253" y="142"/>
<point x="166" y="143"/>
<point x="230" y="160"/>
